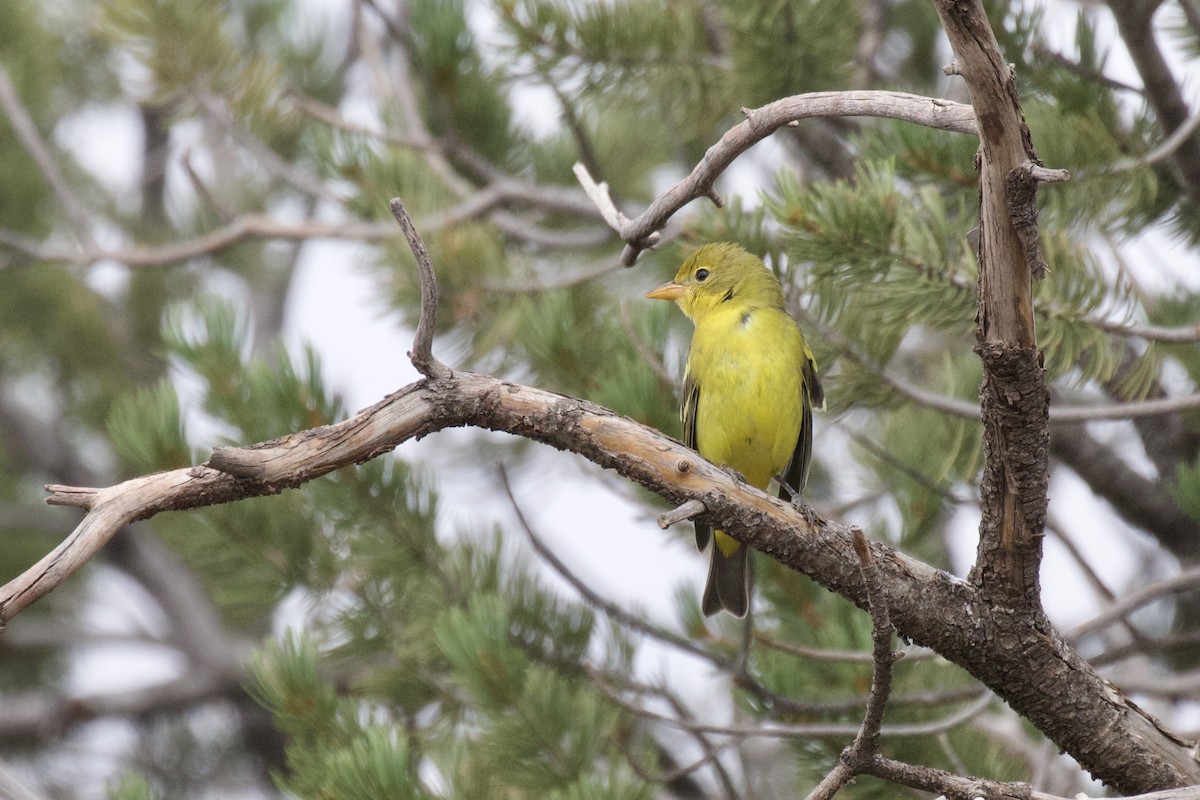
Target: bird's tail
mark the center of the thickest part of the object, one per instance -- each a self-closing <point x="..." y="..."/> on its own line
<point x="728" y="584"/>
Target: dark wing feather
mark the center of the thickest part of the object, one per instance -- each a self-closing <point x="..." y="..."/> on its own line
<point x="812" y="383"/>
<point x="687" y="412"/>
<point x="796" y="476"/>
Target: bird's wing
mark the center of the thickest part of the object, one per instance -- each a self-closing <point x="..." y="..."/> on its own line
<point x="797" y="472"/>
<point x="687" y="412"/>
<point x="812" y="382"/>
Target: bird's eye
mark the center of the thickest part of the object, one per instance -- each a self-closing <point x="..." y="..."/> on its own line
<point x="701" y="275"/>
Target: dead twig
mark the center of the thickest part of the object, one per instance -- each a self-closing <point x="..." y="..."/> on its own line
<point x="422" y="353"/>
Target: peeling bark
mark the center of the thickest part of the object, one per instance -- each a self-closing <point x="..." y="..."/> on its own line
<point x="1016" y="438"/>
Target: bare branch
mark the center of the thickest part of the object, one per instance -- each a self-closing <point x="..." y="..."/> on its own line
<point x="1067" y="699"/>
<point x="817" y="730"/>
<point x="1142" y="501"/>
<point x="937" y="781"/>
<point x="642" y="232"/>
<point x="1162" y="90"/>
<point x="1045" y="54"/>
<point x="1165" y="149"/>
<point x="1140" y="648"/>
<point x="841" y="774"/>
<point x="27" y="132"/>
<point x="824" y="654"/>
<point x="304" y="181"/>
<point x="598" y="194"/>
<point x="1059" y="414"/>
<point x="1014" y="398"/>
<point x="503" y="185"/>
<point x="14" y="789"/>
<point x="33" y="715"/>
<point x="244" y="227"/>
<point x="612" y="611"/>
<point x="866" y="741"/>
<point x="1188" y="579"/>
<point x="422" y="352"/>
<point x="1153" y="333"/>
<point x="690" y="509"/>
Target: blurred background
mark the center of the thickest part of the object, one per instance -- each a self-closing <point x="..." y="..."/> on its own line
<point x="196" y="250"/>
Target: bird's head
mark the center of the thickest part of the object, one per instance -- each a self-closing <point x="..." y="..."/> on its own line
<point x="719" y="273"/>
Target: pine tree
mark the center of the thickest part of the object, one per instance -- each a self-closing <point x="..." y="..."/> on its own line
<point x="342" y="639"/>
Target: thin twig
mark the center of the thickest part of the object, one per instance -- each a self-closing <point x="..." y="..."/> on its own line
<point x="250" y="226"/>
<point x="649" y="356"/>
<point x="1184" y="334"/>
<point x="866" y="741"/>
<point x="598" y="194"/>
<point x="27" y="132"/>
<point x="422" y="353"/>
<point x="11" y="787"/>
<point x="711" y="750"/>
<point x="559" y="281"/>
<point x="1040" y="51"/>
<point x="217" y="111"/>
<point x="1165" y="150"/>
<point x="610" y="610"/>
<point x="1058" y="414"/>
<point x="690" y="509"/>
<point x="736" y="669"/>
<point x="1188" y="579"/>
<point x="1146" y="647"/>
<point x="841" y="656"/>
<point x="833" y="730"/>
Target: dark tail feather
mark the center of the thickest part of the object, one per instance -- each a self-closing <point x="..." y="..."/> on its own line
<point x="703" y="535"/>
<point x="728" y="584"/>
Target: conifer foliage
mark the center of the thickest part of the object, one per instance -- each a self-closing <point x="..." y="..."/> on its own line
<point x="171" y="171"/>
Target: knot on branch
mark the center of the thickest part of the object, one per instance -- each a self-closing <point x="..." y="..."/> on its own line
<point x="1021" y="196"/>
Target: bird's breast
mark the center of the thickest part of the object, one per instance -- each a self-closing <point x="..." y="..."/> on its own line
<point x="747" y="364"/>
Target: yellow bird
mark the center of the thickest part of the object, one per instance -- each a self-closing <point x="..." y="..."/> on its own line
<point x="748" y="393"/>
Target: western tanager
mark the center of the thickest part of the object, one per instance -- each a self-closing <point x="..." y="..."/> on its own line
<point x="748" y="393"/>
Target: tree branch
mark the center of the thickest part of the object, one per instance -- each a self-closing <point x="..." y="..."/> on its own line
<point x="1134" y="23"/>
<point x="1014" y="398"/>
<point x="27" y="133"/>
<point x="1141" y="501"/>
<point x="642" y="232"/>
<point x="1055" y="689"/>
<point x="44" y="715"/>
<point x="866" y="742"/>
<point x="1184" y="581"/>
<point x="422" y="352"/>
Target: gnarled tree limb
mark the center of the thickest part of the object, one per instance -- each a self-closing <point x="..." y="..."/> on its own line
<point x="1035" y="671"/>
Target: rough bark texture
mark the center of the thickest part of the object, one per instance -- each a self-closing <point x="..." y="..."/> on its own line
<point x="1014" y="394"/>
<point x="1016" y="413"/>
<point x="1029" y="665"/>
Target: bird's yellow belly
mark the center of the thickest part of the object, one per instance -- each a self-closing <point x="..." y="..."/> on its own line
<point x="750" y="408"/>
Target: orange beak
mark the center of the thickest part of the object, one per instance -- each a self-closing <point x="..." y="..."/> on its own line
<point x="668" y="291"/>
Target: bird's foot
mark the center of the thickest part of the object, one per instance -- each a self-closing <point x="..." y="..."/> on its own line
<point x="806" y="511"/>
<point x="733" y="473"/>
